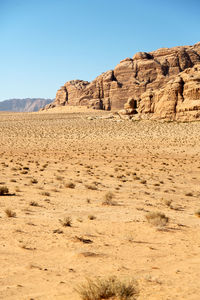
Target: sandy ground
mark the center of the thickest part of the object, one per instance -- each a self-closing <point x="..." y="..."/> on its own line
<point x="146" y="165"/>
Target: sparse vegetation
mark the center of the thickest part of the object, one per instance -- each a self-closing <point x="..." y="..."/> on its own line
<point x="10" y="213"/>
<point x="167" y="202"/>
<point x="157" y="218"/>
<point x="70" y="185"/>
<point x="66" y="222"/>
<point x="108" y="199"/>
<point x="60" y="178"/>
<point x="110" y="288"/>
<point x="34" y="203"/>
<point x="91" y="217"/>
<point x="91" y="187"/>
<point x="34" y="181"/>
<point x="189" y="194"/>
<point x="197" y="213"/>
<point x="4" y="190"/>
<point x="45" y="193"/>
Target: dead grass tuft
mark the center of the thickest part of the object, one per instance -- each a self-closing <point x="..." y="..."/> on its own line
<point x="110" y="288"/>
<point x="10" y="213"/>
<point x="4" y="190"/>
<point x="108" y="199"/>
<point x="157" y="218"/>
<point x="70" y="185"/>
<point x="66" y="222"/>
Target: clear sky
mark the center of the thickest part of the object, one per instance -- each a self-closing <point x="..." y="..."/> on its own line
<point x="44" y="43"/>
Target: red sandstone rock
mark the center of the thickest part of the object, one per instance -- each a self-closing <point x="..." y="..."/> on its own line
<point x="156" y="82"/>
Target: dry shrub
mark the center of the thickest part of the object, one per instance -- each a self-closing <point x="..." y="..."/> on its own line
<point x="34" y="181"/>
<point x="91" y="187"/>
<point x="67" y="221"/>
<point x="197" y="213"/>
<point x="59" y="178"/>
<point x="70" y="185"/>
<point x="110" y="288"/>
<point x="33" y="203"/>
<point x="45" y="194"/>
<point x="157" y="218"/>
<point x="4" y="190"/>
<point x="91" y="217"/>
<point x="10" y="213"/>
<point x="167" y="202"/>
<point x="108" y="199"/>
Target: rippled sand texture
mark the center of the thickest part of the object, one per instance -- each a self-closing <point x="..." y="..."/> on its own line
<point x="61" y="165"/>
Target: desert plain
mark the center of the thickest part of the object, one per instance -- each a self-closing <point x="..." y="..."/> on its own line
<point x="80" y="189"/>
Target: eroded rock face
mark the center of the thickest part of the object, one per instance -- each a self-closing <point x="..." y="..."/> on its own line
<point x="179" y="99"/>
<point x="155" y="82"/>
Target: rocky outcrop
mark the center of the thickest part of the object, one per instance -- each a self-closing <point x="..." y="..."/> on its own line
<point x="179" y="99"/>
<point x="153" y="84"/>
<point x="24" y="105"/>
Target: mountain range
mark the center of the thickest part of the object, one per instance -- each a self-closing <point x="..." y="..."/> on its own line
<point x="24" y="105"/>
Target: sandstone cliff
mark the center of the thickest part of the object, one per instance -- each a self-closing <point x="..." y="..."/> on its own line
<point x="161" y="84"/>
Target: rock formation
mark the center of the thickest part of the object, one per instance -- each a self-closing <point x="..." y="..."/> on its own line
<point x="161" y="84"/>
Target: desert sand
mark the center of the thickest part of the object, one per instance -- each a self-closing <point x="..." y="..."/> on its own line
<point x="62" y="163"/>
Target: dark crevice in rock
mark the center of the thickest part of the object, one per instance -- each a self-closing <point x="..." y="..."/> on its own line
<point x="182" y="83"/>
<point x="165" y="68"/>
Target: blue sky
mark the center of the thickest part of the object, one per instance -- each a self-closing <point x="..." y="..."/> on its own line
<point x="45" y="43"/>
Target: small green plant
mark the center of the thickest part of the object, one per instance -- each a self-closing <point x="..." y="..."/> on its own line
<point x="110" y="288"/>
<point x="4" y="190"/>
<point x="157" y="218"/>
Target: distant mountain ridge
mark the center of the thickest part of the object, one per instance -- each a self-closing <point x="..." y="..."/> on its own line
<point x="24" y="105"/>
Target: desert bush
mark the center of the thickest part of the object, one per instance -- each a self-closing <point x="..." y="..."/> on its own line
<point x="143" y="181"/>
<point x="59" y="178"/>
<point x="91" y="217"/>
<point x="167" y="202"/>
<point x="13" y="180"/>
<point x="197" y="213"/>
<point x="108" y="199"/>
<point x="67" y="221"/>
<point x="91" y="187"/>
<point x="34" y="181"/>
<point x="110" y="288"/>
<point x="10" y="213"/>
<point x="157" y="218"/>
<point x="33" y="203"/>
<point x="70" y="185"/>
<point x="4" y="190"/>
<point x="189" y="194"/>
<point x="45" y="194"/>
